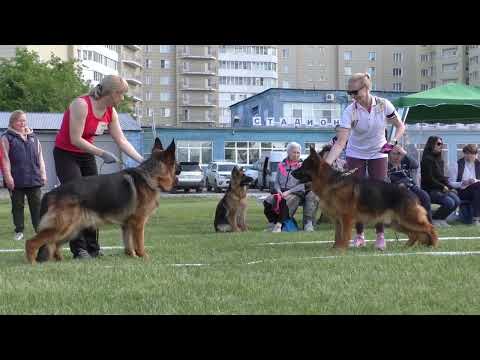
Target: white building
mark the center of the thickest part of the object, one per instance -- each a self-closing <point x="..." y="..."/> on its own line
<point x="244" y="70"/>
<point x="97" y="61"/>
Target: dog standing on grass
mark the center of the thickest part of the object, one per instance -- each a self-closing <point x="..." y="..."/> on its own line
<point x="232" y="209"/>
<point x="127" y="198"/>
<point x="348" y="200"/>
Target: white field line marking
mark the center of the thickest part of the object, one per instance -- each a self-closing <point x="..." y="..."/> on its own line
<point x="331" y="241"/>
<point x="433" y="253"/>
<point x="64" y="249"/>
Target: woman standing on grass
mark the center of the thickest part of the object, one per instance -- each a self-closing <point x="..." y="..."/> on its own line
<point x="74" y="153"/>
<point x="23" y="169"/>
<point x="363" y="126"/>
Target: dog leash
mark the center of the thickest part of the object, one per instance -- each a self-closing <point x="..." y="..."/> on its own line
<point x="120" y="162"/>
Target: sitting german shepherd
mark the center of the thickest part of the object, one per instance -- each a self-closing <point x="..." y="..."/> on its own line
<point x="231" y="210"/>
<point x="126" y="198"/>
<point x="348" y="200"/>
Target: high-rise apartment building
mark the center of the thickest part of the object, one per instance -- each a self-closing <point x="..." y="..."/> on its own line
<point x="474" y="65"/>
<point x="244" y="70"/>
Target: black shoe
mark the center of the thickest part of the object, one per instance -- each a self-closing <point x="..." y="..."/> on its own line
<point x="82" y="255"/>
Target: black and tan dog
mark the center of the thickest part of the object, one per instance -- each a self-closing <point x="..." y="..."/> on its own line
<point x="348" y="199"/>
<point x="126" y="198"/>
<point x="232" y="209"/>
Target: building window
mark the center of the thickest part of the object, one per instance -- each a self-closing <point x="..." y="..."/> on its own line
<point x="248" y="152"/>
<point x="397" y="57"/>
<point x="185" y="98"/>
<point x="97" y="76"/>
<point x="165" y="96"/>
<point x="186" y="115"/>
<point x="372" y="56"/>
<point x="148" y="95"/>
<point x="447" y="81"/>
<point x="424" y="58"/>
<point x="397" y="72"/>
<point x="317" y="145"/>
<point x="449" y="67"/>
<point x="424" y="87"/>
<point x="285" y="53"/>
<point x="164" y="112"/>
<point x="200" y="151"/>
<point x="347" y="70"/>
<point x="424" y="72"/>
<point x="147" y="48"/>
<point x="347" y="55"/>
<point x="164" y="80"/>
<point x="165" y="48"/>
<point x="285" y="68"/>
<point x="371" y="71"/>
<point x="449" y="52"/>
<point x="232" y="97"/>
<point x="148" y="80"/>
<point x="397" y="86"/>
<point x="164" y="64"/>
<point x="148" y="63"/>
<point x="285" y="84"/>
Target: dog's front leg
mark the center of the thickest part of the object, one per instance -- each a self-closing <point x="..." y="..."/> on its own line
<point x="127" y="240"/>
<point x="232" y="220"/>
<point x="347" y="224"/>
<point x="242" y="214"/>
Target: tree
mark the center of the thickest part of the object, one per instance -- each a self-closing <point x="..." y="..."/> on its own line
<point x="31" y="85"/>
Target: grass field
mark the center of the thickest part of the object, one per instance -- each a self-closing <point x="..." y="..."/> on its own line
<point x="241" y="273"/>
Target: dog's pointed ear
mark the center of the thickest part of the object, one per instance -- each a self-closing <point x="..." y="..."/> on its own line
<point x="234" y="170"/>
<point x="170" y="152"/>
<point x="157" y="145"/>
<point x="313" y="152"/>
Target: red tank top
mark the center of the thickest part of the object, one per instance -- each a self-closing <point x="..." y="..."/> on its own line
<point x="93" y="126"/>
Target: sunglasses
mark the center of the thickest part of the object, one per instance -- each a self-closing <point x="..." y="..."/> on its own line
<point x="354" y="92"/>
<point x="439" y="143"/>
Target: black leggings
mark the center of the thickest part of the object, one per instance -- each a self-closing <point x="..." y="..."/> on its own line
<point x="70" y="166"/>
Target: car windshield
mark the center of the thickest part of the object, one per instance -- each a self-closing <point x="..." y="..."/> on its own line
<point x="225" y="167"/>
<point x="274" y="166"/>
<point x="190" y="167"/>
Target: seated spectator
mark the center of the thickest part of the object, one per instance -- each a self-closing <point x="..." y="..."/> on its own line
<point x="464" y="175"/>
<point x="435" y="183"/>
<point x="289" y="194"/>
<point x="400" y="167"/>
<point x="338" y="164"/>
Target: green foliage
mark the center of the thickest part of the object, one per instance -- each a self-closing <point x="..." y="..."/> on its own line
<point x="34" y="86"/>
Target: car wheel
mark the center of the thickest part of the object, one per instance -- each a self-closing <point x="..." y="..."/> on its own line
<point x="186" y="190"/>
<point x="199" y="190"/>
<point x="215" y="187"/>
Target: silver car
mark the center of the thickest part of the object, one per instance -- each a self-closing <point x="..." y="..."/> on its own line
<point x="191" y="177"/>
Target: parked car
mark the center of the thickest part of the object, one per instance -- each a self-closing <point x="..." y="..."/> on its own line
<point x="252" y="171"/>
<point x="191" y="177"/>
<point x="267" y="169"/>
<point x="217" y="176"/>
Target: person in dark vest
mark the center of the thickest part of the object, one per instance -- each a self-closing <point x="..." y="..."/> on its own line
<point x="23" y="170"/>
<point x="436" y="183"/>
<point x="74" y="153"/>
<point x="465" y="177"/>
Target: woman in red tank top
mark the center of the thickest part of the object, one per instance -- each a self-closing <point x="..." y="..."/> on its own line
<point x="74" y="152"/>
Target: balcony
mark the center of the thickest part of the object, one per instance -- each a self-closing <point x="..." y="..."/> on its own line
<point x="133" y="61"/>
<point x="134" y="47"/>
<point x="198" y="72"/>
<point x="197" y="56"/>
<point x="132" y="79"/>
<point x="193" y="88"/>
<point x="197" y="104"/>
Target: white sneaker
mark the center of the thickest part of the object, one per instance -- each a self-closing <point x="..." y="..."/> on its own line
<point x="308" y="227"/>
<point x="277" y="228"/>
<point x="18" y="236"/>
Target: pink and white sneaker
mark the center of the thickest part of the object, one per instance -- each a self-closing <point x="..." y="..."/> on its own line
<point x="380" y="242"/>
<point x="359" y="240"/>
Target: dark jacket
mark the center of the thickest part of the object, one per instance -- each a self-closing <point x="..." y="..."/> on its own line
<point x="432" y="173"/>
<point x="403" y="174"/>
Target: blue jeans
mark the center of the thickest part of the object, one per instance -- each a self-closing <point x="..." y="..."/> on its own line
<point x="448" y="202"/>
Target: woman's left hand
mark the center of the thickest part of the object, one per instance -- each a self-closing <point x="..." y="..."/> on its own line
<point x="285" y="193"/>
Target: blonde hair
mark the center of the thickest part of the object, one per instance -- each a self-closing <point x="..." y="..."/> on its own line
<point x="14" y="116"/>
<point x="364" y="78"/>
<point x="108" y="85"/>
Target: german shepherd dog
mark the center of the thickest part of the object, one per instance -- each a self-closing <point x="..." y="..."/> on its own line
<point x="127" y="198"/>
<point x="231" y="210"/>
<point x="348" y="199"/>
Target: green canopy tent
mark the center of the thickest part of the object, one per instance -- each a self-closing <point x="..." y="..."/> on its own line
<point x="449" y="104"/>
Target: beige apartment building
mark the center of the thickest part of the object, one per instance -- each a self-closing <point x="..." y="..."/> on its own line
<point x="474" y="65"/>
<point x="181" y="85"/>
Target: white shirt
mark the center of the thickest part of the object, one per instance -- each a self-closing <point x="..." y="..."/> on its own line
<point x="367" y="135"/>
<point x="468" y="173"/>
